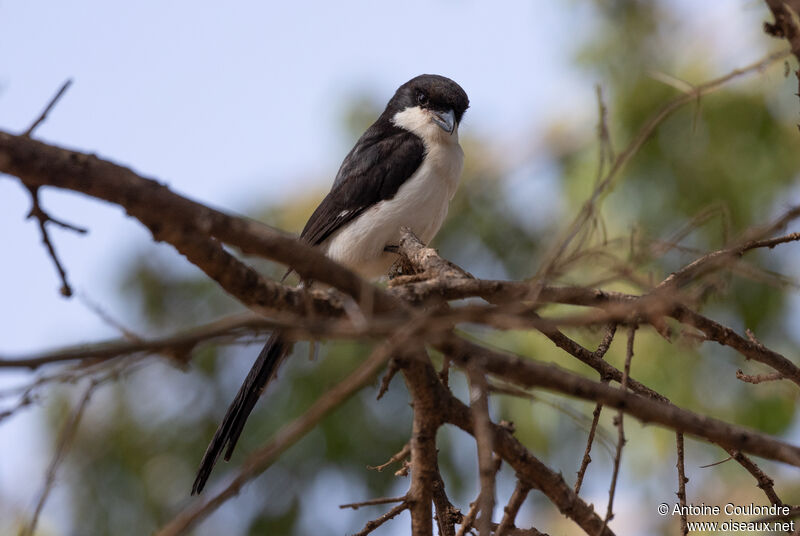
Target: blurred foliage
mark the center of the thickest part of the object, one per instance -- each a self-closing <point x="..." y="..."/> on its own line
<point x="729" y="151"/>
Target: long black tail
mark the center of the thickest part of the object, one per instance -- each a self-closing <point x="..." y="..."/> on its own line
<point x="233" y="423"/>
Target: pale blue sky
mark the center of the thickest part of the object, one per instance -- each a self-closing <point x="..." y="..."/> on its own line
<point x="241" y="106"/>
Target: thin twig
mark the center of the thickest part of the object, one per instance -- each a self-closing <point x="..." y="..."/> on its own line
<point x="65" y="438"/>
<point x="600" y="353"/>
<point x="25" y="400"/>
<point x="635" y="144"/>
<point x="48" y="108"/>
<point x="619" y="421"/>
<point x="391" y="370"/>
<point x="716" y="259"/>
<point x="372" y="502"/>
<point x="758" y="378"/>
<point x="605" y="344"/>
<point x="479" y="402"/>
<point x="225" y="328"/>
<point x="764" y="481"/>
<point x="403" y="454"/>
<point x="469" y="519"/>
<point x="714" y="464"/>
<point x="682" y="480"/>
<point x="474" y="507"/>
<point x="605" y="147"/>
<point x="587" y="459"/>
<point x="793" y="511"/>
<point x="43" y="218"/>
<point x="108" y="319"/>
<point x="374" y="524"/>
<point x="444" y="373"/>
<point x="574" y="415"/>
<point x="512" y="508"/>
<point x="223" y="331"/>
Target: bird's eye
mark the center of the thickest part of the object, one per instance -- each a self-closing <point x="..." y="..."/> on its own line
<point x="422" y="98"/>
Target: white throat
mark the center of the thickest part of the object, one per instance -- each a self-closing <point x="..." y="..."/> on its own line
<point x="418" y="121"/>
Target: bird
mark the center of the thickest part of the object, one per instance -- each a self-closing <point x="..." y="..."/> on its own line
<point x="402" y="172"/>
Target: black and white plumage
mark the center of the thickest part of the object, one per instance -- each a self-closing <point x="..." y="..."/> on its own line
<point x="403" y="171"/>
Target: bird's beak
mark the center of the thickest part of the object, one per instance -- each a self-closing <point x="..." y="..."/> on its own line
<point x="445" y="120"/>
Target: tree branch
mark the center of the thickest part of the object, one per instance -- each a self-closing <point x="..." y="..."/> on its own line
<point x="183" y="223"/>
<point x="421" y="381"/>
<point x="529" y="373"/>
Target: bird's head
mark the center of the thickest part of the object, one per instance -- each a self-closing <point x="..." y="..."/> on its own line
<point x="428" y="105"/>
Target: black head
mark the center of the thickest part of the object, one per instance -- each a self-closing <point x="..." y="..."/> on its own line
<point x="430" y="92"/>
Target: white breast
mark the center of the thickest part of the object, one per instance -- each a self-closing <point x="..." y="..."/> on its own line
<point x="420" y="203"/>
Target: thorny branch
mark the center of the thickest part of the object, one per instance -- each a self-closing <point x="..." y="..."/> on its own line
<point x="414" y="313"/>
<point x="601" y="351"/>
<point x="423" y="442"/>
<point x="619" y="422"/>
<point x="43" y="218"/>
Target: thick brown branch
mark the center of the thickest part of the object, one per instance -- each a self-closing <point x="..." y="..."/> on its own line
<point x="426" y="260"/>
<point x="447" y="515"/>
<point x="785" y="22"/>
<point x="422" y="383"/>
<point x="531" y="470"/>
<point x="532" y="374"/>
<point x="526" y="465"/>
<point x="608" y="372"/>
<point x="180" y="221"/>
<point x="763" y="480"/>
<point x="619" y="305"/>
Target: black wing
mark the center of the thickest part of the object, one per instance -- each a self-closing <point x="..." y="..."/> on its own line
<point x="374" y="170"/>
